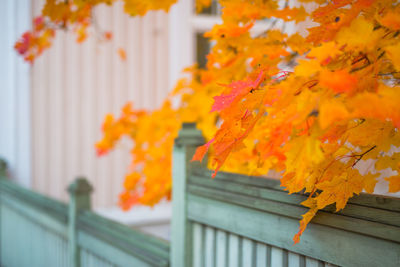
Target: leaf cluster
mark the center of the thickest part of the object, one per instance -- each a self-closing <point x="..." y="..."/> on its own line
<point x="319" y="106"/>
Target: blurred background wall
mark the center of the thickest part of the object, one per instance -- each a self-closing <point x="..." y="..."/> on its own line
<point x="75" y="85"/>
<point x="15" y="91"/>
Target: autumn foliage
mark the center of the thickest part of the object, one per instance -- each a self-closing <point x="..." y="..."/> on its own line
<point x="76" y="16"/>
<point x="315" y="106"/>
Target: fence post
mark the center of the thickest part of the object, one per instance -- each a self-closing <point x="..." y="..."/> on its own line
<point x="3" y="168"/>
<point x="188" y="140"/>
<point x="79" y="193"/>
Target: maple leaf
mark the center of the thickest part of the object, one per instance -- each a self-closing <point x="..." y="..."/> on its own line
<point x="108" y="35"/>
<point x="238" y="90"/>
<point x="23" y="44"/>
<point x="325" y="52"/>
<point x="340" y="81"/>
<point x="393" y="53"/>
<point x="370" y="181"/>
<point x="128" y="199"/>
<point x="339" y="189"/>
<point x="360" y="34"/>
<point x="231" y="30"/>
<point x="122" y="53"/>
<point x="332" y="111"/>
<point x="226" y="141"/>
<point x="309" y="150"/>
<point x="394" y="183"/>
<point x="382" y="105"/>
<point x="81" y="33"/>
<point x="201" y="151"/>
<point x="388" y="162"/>
<point x="391" y="20"/>
<point x="290" y="14"/>
<point x="306" y="218"/>
<point x="131" y="180"/>
<point x="139" y="7"/>
<point x="39" y="23"/>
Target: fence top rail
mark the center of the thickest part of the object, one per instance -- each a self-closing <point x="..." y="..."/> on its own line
<point x="53" y="207"/>
<point x="373" y="215"/>
<point x="272" y="185"/>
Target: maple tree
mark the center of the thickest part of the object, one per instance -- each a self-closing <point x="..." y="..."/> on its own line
<point x="313" y="106"/>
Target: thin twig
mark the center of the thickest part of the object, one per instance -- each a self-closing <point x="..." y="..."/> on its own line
<point x="359" y="157"/>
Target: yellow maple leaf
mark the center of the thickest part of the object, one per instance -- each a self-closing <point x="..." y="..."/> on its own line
<point x="393" y="53"/>
<point x="332" y="111"/>
<point x="370" y="182"/>
<point x="339" y="189"/>
<point x="360" y="34"/>
<point x="388" y="162"/>
<point x="394" y="183"/>
<point x="307" y="68"/>
<point x="383" y="105"/>
<point x="325" y="52"/>
<point x="131" y="180"/>
<point x="306" y="218"/>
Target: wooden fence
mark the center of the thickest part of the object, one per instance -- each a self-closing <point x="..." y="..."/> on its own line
<point x="232" y="220"/>
<point x="39" y="231"/>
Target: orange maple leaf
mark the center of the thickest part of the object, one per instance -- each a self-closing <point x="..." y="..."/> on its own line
<point x="391" y="20"/>
<point x="108" y="35"/>
<point x="122" y="53"/>
<point x="340" y="81"/>
<point x="201" y="151"/>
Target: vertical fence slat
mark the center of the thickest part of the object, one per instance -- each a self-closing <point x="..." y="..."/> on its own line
<point x="233" y="257"/>
<point x="293" y="260"/>
<point x="209" y="247"/>
<point x="221" y="249"/>
<point x="197" y="245"/>
<point x="248" y="252"/>
<point x="310" y="262"/>
<point x="276" y="257"/>
<point x="261" y="255"/>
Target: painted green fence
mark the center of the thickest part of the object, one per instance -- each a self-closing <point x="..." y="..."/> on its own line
<point x="39" y="231"/>
<point x="236" y="220"/>
<point x="232" y="220"/>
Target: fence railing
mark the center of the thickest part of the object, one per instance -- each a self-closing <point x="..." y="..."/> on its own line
<point x="38" y="231"/>
<point x="232" y="220"/>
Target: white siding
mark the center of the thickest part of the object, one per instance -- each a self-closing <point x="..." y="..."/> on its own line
<point x="75" y="85"/>
<point x="15" y="18"/>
